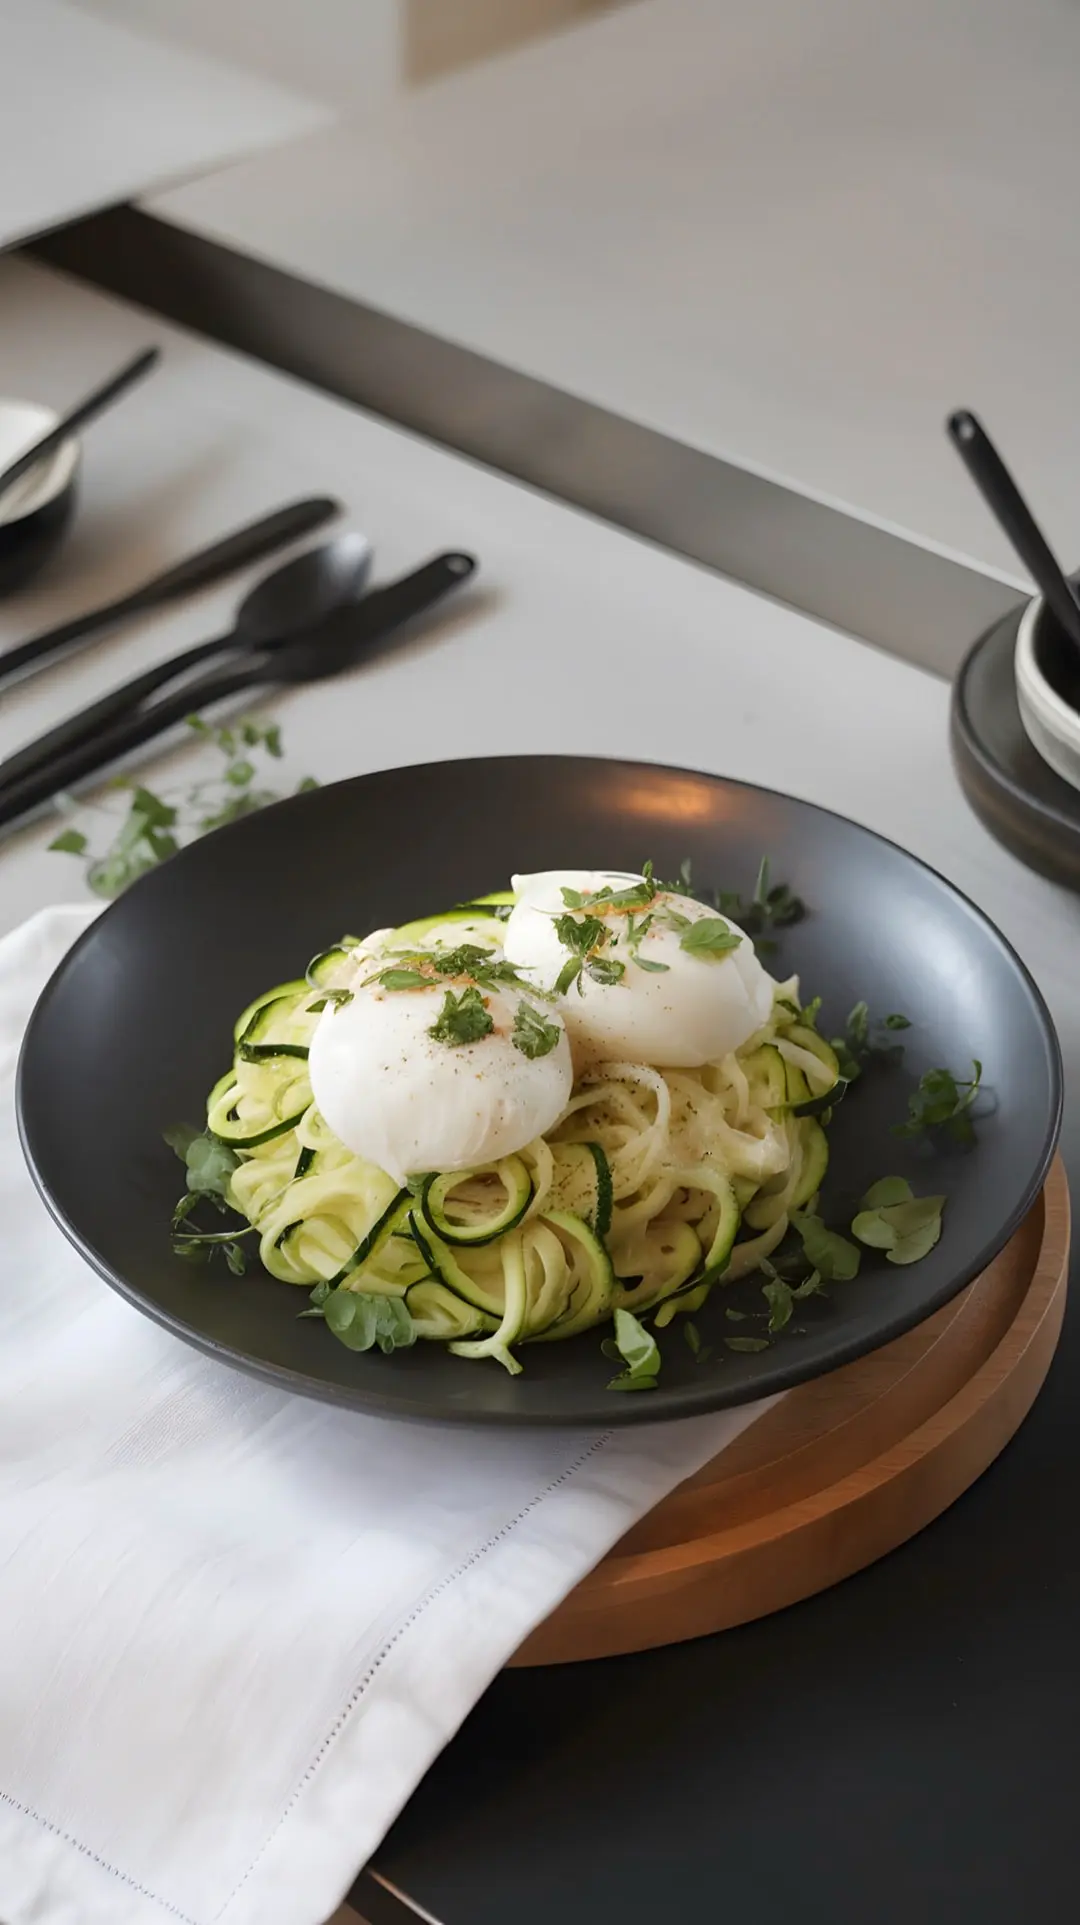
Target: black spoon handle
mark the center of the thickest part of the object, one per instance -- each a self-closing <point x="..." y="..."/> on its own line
<point x="125" y="734"/>
<point x="200" y="570"/>
<point x="89" y="724"/>
<point x="78" y="417"/>
<point x="336" y="644"/>
<point x="1007" y="504"/>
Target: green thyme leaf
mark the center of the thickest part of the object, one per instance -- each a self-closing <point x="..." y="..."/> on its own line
<point x="710" y="937"/>
<point x="747" y="1346"/>
<point x="462" y="1019"/>
<point x="701" y="1352"/>
<point x="532" y="1034"/>
<point x="603" y="969"/>
<point x="942" y="1101"/>
<point x="781" y="1301"/>
<point x="835" y="1259"/>
<point x="402" y="979"/>
<point x="569" y="974"/>
<point x="70" y="842"/>
<point x="580" y="934"/>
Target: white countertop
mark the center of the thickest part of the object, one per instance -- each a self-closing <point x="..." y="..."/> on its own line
<point x="579" y="639"/>
<point x="793" y="235"/>
<point x="93" y="114"/>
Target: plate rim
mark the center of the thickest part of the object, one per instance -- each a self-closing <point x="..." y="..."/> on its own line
<point x="694" y="1401"/>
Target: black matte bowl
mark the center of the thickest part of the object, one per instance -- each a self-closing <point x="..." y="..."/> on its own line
<point x="136" y="1024"/>
<point x="36" y="513"/>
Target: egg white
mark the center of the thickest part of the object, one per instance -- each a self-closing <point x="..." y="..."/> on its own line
<point x="695" y="1010"/>
<point x="409" y="1104"/>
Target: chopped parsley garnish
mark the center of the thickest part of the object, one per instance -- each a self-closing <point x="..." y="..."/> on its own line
<point x="892" y="1218"/>
<point x="637" y="895"/>
<point x="942" y="1101"/>
<point x="584" y="936"/>
<point x="710" y="937"/>
<point x="421" y="968"/>
<point x="462" y="1019"/>
<point x="533" y="1035"/>
<point x="580" y="934"/>
<point x="747" y="1345"/>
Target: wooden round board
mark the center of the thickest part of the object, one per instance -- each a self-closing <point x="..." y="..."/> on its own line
<point x="840" y="1471"/>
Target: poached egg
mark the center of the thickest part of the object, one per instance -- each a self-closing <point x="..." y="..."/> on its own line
<point x="682" y="1009"/>
<point x="410" y="1102"/>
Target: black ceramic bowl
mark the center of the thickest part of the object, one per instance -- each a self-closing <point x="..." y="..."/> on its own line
<point x="136" y="1025"/>
<point x="36" y="512"/>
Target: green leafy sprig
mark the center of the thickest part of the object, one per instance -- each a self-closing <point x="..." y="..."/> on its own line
<point x="155" y="826"/>
<point x="892" y="1218"/>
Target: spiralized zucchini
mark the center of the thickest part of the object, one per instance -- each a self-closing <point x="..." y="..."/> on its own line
<point x="653" y="1186"/>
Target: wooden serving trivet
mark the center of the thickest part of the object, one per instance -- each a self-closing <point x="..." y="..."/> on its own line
<point x="842" y="1470"/>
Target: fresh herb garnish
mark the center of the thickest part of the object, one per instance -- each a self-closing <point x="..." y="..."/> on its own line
<point x="462" y="1019"/>
<point x="421" y="968"/>
<point x="709" y="937"/>
<point x="892" y="1218"/>
<point x="862" y="1040"/>
<point x="701" y="1352"/>
<point x="583" y="937"/>
<point x="401" y="979"/>
<point x="363" y="1321"/>
<point x="638" y="1351"/>
<point x="748" y="1346"/>
<point x="831" y="1255"/>
<point x="154" y="826"/>
<point x="532" y="1034"/>
<point x="772" y="906"/>
<point x="209" y="1166"/>
<point x="580" y="934"/>
<point x="637" y="895"/>
<point x="943" y="1101"/>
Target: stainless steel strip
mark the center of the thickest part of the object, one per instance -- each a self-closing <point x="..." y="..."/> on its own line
<point x="877" y="585"/>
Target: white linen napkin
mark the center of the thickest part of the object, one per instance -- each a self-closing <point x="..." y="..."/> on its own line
<point x="237" y="1627"/>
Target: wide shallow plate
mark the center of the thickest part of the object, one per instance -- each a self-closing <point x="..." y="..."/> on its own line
<point x="1011" y="789"/>
<point x="136" y="1025"/>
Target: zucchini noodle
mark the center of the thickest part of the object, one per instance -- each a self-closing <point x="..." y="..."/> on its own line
<point x="654" y="1185"/>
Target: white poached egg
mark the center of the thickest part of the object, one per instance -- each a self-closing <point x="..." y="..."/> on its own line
<point x="409" y="1102"/>
<point x="685" y="1008"/>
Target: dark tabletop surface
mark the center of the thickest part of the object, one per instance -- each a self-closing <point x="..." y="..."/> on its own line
<point x="902" y="1750"/>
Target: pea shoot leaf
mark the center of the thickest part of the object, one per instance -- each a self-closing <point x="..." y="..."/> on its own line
<point x="639" y="1351"/>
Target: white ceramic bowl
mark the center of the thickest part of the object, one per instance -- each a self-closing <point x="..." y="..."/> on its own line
<point x="1050" y="723"/>
<point x="35" y="513"/>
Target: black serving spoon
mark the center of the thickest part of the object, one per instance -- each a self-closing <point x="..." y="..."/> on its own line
<point x="198" y="570"/>
<point x="285" y="604"/>
<point x="340" y="641"/>
<point x="1014" y="517"/>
